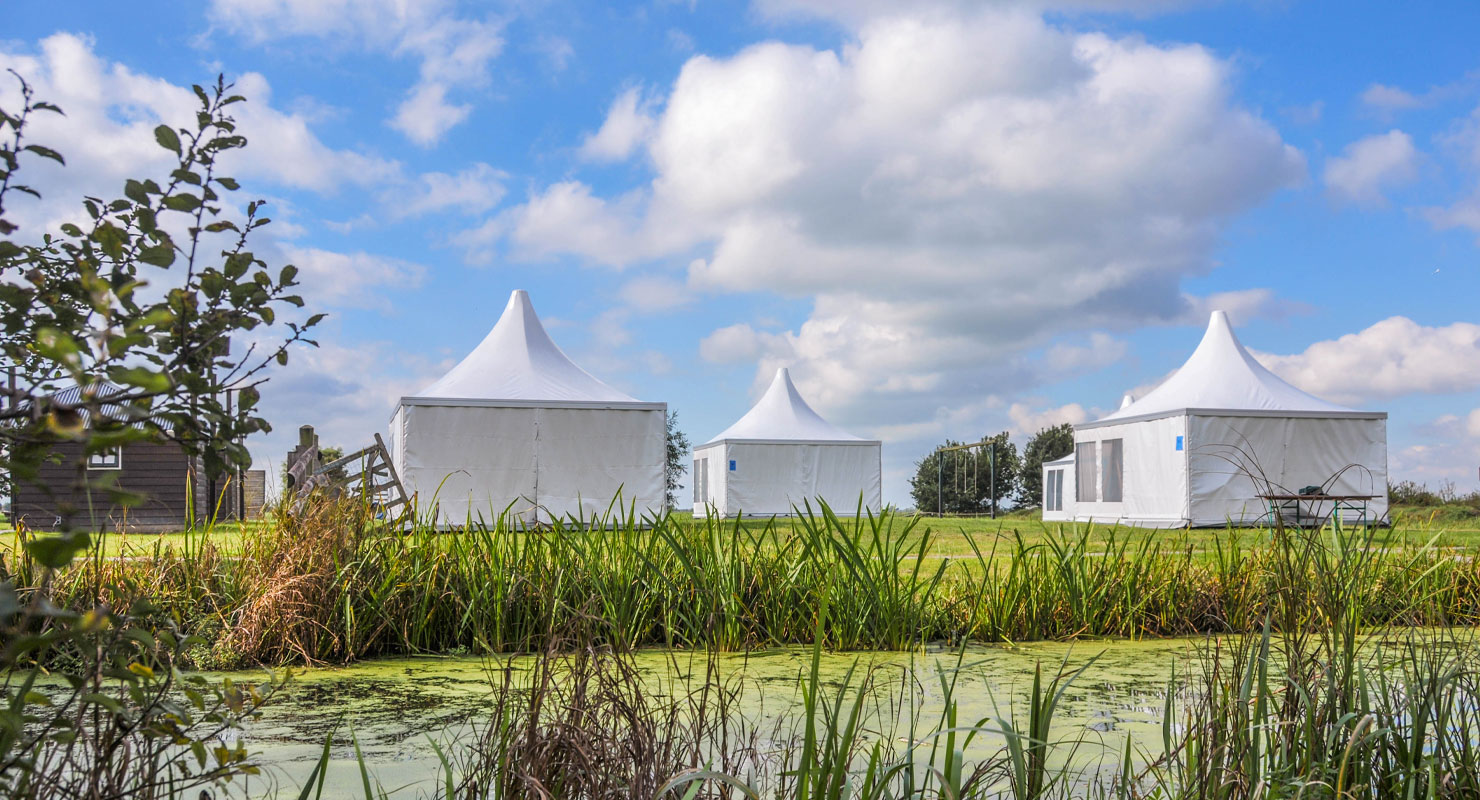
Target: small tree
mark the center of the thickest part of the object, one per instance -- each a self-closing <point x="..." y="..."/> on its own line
<point x="678" y="459"/>
<point x="1046" y="445"/>
<point x="136" y="304"/>
<point x="961" y="481"/>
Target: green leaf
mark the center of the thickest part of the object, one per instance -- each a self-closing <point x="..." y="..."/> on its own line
<point x="143" y="378"/>
<point x="167" y="138"/>
<point x="58" y="550"/>
<point x="228" y="183"/>
<point x="160" y="255"/>
<point x="285" y="278"/>
<point x="182" y="202"/>
<point x="134" y="191"/>
<point x="44" y="152"/>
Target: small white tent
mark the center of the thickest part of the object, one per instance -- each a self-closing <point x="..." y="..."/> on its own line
<point x="780" y="454"/>
<point x="517" y="423"/>
<point x="1199" y="449"/>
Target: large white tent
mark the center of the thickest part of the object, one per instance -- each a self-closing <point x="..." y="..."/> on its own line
<point x="516" y="424"/>
<point x="780" y="455"/>
<point x="1200" y="448"/>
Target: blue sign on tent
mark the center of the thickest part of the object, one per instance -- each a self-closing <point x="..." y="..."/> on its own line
<point x="732" y="465"/>
<point x="1179" y="446"/>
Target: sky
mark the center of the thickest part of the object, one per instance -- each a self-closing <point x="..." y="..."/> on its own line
<point x="947" y="218"/>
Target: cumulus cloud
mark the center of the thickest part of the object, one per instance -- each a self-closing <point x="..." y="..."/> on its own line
<point x="1391" y="358"/>
<point x="949" y="189"/>
<point x="1464" y="142"/>
<point x="351" y="280"/>
<point x="1102" y="349"/>
<point x="451" y="51"/>
<point x="1384" y="98"/>
<point x="654" y="293"/>
<point x="628" y="125"/>
<point x="473" y="190"/>
<point x="1027" y="420"/>
<point x="1368" y="166"/>
<point x="111" y="112"/>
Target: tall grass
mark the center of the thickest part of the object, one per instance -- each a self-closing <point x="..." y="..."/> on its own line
<point x="331" y="583"/>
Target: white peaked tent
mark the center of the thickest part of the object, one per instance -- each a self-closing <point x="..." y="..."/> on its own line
<point x="1198" y="449"/>
<point x="517" y="423"/>
<point x="782" y="454"/>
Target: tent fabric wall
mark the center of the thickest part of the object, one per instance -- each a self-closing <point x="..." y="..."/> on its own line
<point x="1288" y="454"/>
<point x="540" y="463"/>
<point x="774" y="479"/>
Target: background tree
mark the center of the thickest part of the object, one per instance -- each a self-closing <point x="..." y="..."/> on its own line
<point x="678" y="458"/>
<point x="1046" y="445"/>
<point x="967" y="477"/>
<point x="137" y="303"/>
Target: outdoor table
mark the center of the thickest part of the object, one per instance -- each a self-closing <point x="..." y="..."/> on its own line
<point x="1281" y="503"/>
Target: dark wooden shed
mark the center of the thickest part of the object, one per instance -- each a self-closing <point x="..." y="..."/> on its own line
<point x="177" y="495"/>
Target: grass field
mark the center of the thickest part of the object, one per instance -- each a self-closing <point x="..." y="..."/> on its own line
<point x="1413" y="526"/>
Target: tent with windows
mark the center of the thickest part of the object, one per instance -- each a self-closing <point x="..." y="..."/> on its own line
<point x="1204" y="445"/>
<point x="516" y="424"/>
<point x="780" y="455"/>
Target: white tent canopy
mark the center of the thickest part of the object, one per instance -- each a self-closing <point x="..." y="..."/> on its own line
<point x="516" y="424"/>
<point x="1200" y="448"/>
<point x="782" y="454"/>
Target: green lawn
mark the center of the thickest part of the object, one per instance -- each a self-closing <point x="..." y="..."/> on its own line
<point x="1455" y="526"/>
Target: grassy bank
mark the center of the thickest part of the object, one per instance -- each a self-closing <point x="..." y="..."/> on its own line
<point x="333" y="585"/>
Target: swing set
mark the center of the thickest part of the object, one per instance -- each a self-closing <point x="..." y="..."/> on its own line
<point x="960" y="480"/>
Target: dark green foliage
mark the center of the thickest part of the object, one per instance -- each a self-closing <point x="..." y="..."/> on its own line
<point x="1046" y="445"/>
<point x="967" y="485"/>
<point x="677" y="458"/>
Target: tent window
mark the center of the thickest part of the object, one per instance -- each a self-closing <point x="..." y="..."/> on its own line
<point x="1113" y="452"/>
<point x="1053" y="491"/>
<point x="698" y="483"/>
<point x="112" y="458"/>
<point x="1085" y="457"/>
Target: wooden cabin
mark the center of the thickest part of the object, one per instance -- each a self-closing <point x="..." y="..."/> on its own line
<point x="176" y="494"/>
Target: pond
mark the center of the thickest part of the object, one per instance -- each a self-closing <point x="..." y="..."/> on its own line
<point x="397" y="708"/>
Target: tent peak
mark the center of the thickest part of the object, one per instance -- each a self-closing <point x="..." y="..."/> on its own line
<point x="782" y="414"/>
<point x="518" y="360"/>
<point x="1222" y="374"/>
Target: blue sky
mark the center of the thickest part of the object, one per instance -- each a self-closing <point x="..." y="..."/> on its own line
<point x="949" y="219"/>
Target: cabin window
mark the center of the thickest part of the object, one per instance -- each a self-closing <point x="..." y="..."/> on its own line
<point x="1112" y="470"/>
<point x="112" y="458"/>
<point x="1085" y="458"/>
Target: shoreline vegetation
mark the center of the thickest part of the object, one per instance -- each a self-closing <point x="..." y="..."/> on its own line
<point x="331" y="584"/>
<point x="1323" y="673"/>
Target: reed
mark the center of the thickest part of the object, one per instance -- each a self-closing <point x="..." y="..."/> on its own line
<point x="331" y="583"/>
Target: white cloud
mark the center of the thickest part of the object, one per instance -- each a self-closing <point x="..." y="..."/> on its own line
<point x="107" y="134"/>
<point x="949" y="190"/>
<point x="628" y="124"/>
<point x="353" y="280"/>
<point x="1464" y="142"/>
<point x="739" y="344"/>
<point x="451" y="51"/>
<point x="1027" y="420"/>
<point x="474" y="190"/>
<point x="425" y="115"/>
<point x="654" y="293"/>
<point x="1368" y="166"/>
<point x="1391" y="358"/>
<point x="557" y="50"/>
<point x="1241" y="306"/>
<point x="1102" y="350"/>
<point x="1390" y="98"/>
